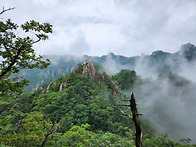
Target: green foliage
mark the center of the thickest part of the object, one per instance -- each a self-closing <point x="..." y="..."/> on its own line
<point x="83" y="115"/>
<point x="148" y="129"/>
<point x="29" y="130"/>
<point x="84" y="101"/>
<point x="126" y="79"/>
<point x="82" y="136"/>
<point x="164" y="142"/>
<point x="77" y="136"/>
<point x="17" y="53"/>
<point x="99" y="68"/>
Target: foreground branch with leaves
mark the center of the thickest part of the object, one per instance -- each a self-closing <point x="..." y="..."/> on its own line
<point x="16" y="52"/>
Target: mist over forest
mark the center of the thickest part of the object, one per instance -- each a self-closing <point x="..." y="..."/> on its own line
<point x="88" y="73"/>
<point x="78" y="100"/>
<point x="166" y="95"/>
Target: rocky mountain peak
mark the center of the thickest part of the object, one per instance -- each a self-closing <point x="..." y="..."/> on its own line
<point x="188" y="51"/>
<point x="187" y="46"/>
<point x="89" y="69"/>
<point x="159" y="53"/>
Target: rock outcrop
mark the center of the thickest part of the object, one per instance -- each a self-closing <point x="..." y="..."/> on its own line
<point x="89" y="68"/>
<point x="63" y="85"/>
<point x="116" y="90"/>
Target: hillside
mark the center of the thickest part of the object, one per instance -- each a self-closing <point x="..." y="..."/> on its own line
<point x="78" y="109"/>
<point x="80" y="101"/>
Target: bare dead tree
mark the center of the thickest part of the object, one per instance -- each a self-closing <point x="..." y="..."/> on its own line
<point x="4" y="10"/>
<point x="135" y="118"/>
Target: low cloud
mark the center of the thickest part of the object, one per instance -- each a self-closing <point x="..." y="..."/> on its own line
<point x="122" y="27"/>
<point x="166" y="98"/>
<point x="80" y="45"/>
<point x="170" y="107"/>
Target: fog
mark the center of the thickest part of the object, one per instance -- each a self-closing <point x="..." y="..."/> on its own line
<point x="112" y="66"/>
<point x="98" y="27"/>
<point x="166" y="97"/>
<point x="170" y="106"/>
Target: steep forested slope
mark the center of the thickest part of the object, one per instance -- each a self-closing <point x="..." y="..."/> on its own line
<point x="81" y="97"/>
<point x="74" y="110"/>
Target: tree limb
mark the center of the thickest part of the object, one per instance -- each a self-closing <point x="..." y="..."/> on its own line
<point x="123" y="112"/>
<point x="123" y="104"/>
<point x="6" y="70"/>
<point x="52" y="130"/>
<point x="7" y="49"/>
<point x="10" y="108"/>
<point x="4" y="10"/>
<point x="20" y="121"/>
<point x="125" y="99"/>
<point x="36" y="41"/>
<point x="135" y="119"/>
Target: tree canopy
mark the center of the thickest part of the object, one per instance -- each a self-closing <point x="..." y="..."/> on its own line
<point x="17" y="52"/>
<point x="74" y="110"/>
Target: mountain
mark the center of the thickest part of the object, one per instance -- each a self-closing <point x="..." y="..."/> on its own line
<point x="76" y="109"/>
<point x="158" y="63"/>
<point x="188" y="51"/>
<point x="79" y="109"/>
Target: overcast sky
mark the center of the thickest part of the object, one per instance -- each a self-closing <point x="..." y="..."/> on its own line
<point x="97" y="27"/>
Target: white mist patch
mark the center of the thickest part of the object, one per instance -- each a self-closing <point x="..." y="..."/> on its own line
<point x="112" y="66"/>
<point x="170" y="106"/>
<point x="80" y="45"/>
<point x="168" y="94"/>
<point x="57" y="59"/>
<point x="144" y="70"/>
<point x="188" y="70"/>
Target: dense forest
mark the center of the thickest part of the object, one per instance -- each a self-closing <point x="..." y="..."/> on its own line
<point x="86" y="104"/>
<point x="77" y="110"/>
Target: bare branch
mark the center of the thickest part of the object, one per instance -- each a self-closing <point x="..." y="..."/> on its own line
<point x="10" y="108"/>
<point x="4" y="10"/>
<point x="123" y="112"/>
<point x="36" y="41"/>
<point x="139" y="114"/>
<point x="125" y="99"/>
<point x="123" y="105"/>
<point x="52" y="130"/>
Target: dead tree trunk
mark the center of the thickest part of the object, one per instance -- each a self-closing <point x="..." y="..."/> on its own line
<point x="135" y="119"/>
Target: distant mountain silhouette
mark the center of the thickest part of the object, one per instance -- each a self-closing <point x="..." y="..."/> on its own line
<point x="158" y="62"/>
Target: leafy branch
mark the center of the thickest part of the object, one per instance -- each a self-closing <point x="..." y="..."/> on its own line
<point x="17" y="53"/>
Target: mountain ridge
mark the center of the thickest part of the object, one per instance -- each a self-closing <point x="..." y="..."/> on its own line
<point x="159" y="62"/>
